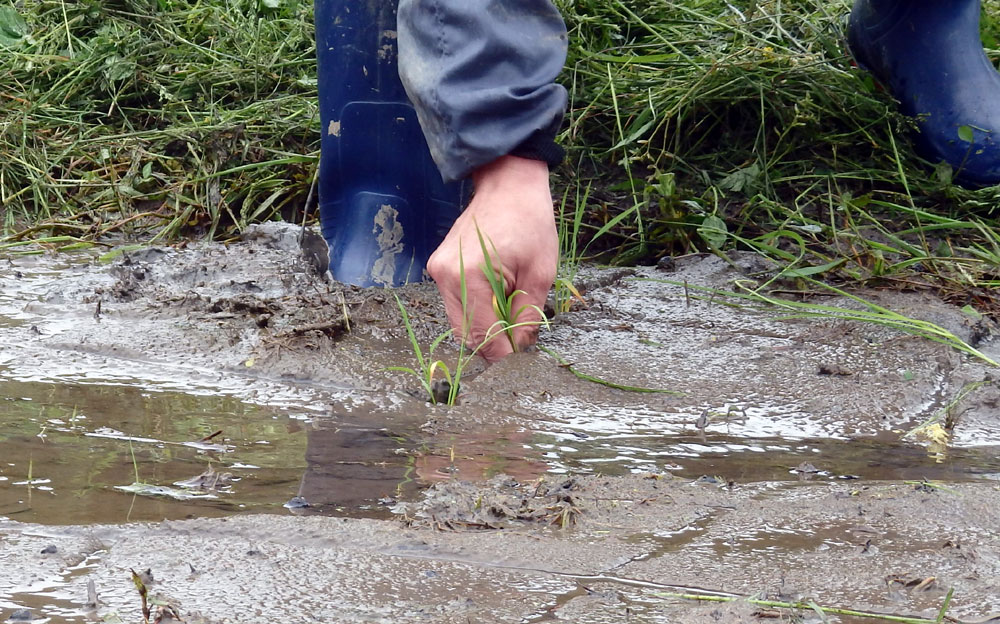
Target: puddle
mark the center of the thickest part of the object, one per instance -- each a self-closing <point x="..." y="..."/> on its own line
<point x="65" y="448"/>
<point x="767" y="459"/>
<point x="70" y="454"/>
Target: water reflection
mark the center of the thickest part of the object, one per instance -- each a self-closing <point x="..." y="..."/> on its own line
<point x="354" y="464"/>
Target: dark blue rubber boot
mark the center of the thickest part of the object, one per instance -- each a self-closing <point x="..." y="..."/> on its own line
<point x="383" y="205"/>
<point x="930" y="56"/>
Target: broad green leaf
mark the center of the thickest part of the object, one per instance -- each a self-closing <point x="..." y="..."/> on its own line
<point x="13" y="29"/>
<point x="741" y="179"/>
<point x="965" y="133"/>
<point x="943" y="172"/>
<point x="713" y="230"/>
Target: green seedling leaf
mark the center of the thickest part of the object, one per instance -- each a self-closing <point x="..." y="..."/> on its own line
<point x="13" y="29"/>
<point x="944" y="173"/>
<point x="944" y="606"/>
<point x="713" y="230"/>
<point x="437" y="341"/>
<point x="971" y="312"/>
<point x="965" y="133"/>
<point x="115" y="253"/>
<point x="502" y="302"/>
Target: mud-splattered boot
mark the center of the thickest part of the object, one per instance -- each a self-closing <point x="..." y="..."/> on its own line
<point x="383" y="205"/>
<point x="930" y="56"/>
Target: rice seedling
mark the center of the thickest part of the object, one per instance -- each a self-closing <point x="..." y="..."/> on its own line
<point x="503" y="302"/>
<point x="443" y="389"/>
<point x="440" y="383"/>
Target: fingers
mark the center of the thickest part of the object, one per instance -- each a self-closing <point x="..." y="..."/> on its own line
<point x="528" y="306"/>
<point x="477" y="320"/>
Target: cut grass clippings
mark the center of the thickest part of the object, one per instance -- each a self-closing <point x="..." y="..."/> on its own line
<point x="821" y="610"/>
<point x="695" y="116"/>
<point x="604" y="382"/>
<point x="692" y="126"/>
<point x="167" y="117"/>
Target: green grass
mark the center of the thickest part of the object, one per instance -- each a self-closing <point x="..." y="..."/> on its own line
<point x="703" y="123"/>
<point x="819" y="610"/>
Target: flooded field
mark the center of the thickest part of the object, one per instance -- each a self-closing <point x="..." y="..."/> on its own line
<point x="223" y="417"/>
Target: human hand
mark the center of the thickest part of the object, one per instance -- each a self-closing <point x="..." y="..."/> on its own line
<point x="512" y="210"/>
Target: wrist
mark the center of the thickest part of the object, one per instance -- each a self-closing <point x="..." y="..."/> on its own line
<point x="511" y="172"/>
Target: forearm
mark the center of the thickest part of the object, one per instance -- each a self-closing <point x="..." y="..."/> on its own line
<point x="481" y="75"/>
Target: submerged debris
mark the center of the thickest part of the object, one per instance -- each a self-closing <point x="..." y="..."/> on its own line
<point x="208" y="481"/>
<point x="502" y="502"/>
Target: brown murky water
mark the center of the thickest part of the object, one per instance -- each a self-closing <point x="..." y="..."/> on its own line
<point x="88" y="453"/>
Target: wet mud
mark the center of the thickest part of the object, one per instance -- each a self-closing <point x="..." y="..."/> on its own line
<point x="222" y="416"/>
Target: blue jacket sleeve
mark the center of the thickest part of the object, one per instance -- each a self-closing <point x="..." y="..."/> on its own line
<point x="481" y="75"/>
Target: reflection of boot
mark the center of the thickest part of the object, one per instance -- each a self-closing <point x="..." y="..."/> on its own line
<point x="351" y="466"/>
<point x="383" y="205"/>
<point x="930" y="55"/>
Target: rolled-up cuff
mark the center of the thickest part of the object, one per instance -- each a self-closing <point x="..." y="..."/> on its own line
<point x="540" y="146"/>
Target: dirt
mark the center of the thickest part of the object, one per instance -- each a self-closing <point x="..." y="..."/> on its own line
<point x="778" y="467"/>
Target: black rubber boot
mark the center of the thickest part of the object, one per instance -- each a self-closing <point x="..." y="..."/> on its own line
<point x="930" y="56"/>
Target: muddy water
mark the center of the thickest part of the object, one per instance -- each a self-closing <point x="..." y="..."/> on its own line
<point x="66" y="448"/>
<point x="91" y="453"/>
